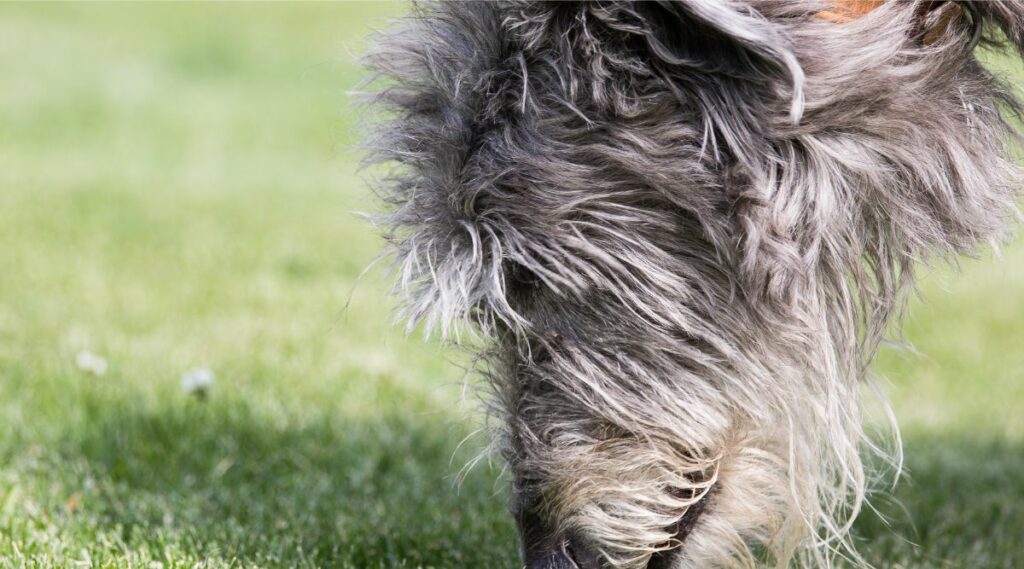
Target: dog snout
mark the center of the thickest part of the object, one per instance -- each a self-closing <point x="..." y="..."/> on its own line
<point x="556" y="560"/>
<point x="572" y="554"/>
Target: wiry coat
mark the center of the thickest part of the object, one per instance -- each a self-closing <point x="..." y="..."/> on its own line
<point x="682" y="228"/>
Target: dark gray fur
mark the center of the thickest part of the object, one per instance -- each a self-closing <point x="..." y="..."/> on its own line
<point x="681" y="230"/>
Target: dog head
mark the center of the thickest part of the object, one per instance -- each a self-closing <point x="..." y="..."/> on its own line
<point x="681" y="229"/>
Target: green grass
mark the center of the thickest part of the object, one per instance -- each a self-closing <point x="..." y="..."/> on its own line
<point x="177" y="185"/>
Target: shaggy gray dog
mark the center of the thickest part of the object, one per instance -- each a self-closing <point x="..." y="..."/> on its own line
<point x="680" y="230"/>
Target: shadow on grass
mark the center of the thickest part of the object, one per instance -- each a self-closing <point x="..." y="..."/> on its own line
<point x="961" y="504"/>
<point x="219" y="481"/>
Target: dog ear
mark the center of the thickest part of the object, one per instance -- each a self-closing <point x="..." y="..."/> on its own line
<point x="431" y="73"/>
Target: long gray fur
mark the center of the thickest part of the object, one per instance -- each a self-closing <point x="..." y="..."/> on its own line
<point x="681" y="230"/>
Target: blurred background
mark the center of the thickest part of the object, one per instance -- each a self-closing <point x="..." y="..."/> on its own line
<point x="191" y="377"/>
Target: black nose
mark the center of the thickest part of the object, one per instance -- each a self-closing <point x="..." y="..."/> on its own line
<point x="557" y="560"/>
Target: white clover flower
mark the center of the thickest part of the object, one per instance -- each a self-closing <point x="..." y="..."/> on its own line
<point x="197" y="381"/>
<point x="91" y="363"/>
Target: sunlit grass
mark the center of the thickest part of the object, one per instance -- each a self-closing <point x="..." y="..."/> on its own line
<point x="177" y="188"/>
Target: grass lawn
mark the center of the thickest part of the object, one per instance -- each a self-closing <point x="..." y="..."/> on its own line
<point x="177" y="184"/>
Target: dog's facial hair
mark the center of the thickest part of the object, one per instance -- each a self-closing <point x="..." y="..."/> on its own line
<point x="681" y="229"/>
